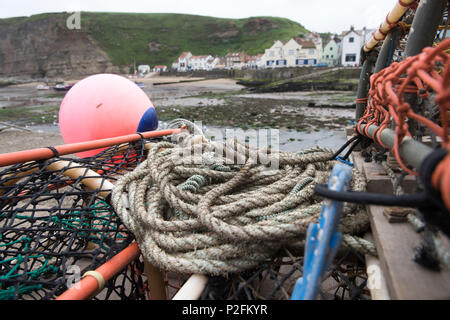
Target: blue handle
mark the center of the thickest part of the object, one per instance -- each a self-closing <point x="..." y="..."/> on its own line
<point x="323" y="239"/>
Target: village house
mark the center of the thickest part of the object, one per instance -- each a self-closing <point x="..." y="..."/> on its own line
<point x="212" y="63"/>
<point x="186" y="61"/>
<point x="183" y="61"/>
<point x="200" y="62"/>
<point x="331" y="52"/>
<point x="317" y="40"/>
<point x="221" y="63"/>
<point x="160" y="68"/>
<point x="273" y="56"/>
<point x="309" y="54"/>
<point x="143" y="68"/>
<point x="235" y="60"/>
<point x="295" y="52"/>
<point x="251" y="62"/>
<point x="351" y="44"/>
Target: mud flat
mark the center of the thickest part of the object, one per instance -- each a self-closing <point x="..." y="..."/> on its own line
<point x="303" y="119"/>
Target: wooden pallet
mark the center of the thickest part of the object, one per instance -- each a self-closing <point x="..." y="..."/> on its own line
<point x="405" y="278"/>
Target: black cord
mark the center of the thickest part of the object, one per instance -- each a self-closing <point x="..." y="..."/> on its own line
<point x="345" y="145"/>
<point x="55" y="152"/>
<point x="406" y="200"/>
<point x="353" y="146"/>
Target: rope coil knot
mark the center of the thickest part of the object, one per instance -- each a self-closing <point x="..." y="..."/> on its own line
<point x="193" y="218"/>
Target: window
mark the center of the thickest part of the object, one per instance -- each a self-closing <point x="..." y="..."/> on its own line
<point x="271" y="53"/>
<point x="331" y="48"/>
<point x="350" y="57"/>
<point x="351" y="39"/>
<point x="311" y="51"/>
<point x="331" y="56"/>
<point x="327" y="56"/>
<point x="291" y="52"/>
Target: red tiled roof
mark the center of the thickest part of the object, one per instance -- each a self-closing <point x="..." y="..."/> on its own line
<point x="184" y="54"/>
<point x="160" y="67"/>
<point x="307" y="44"/>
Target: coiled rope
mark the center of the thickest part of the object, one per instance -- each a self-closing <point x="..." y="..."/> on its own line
<point x="201" y="214"/>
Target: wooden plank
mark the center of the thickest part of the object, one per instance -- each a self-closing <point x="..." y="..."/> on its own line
<point x="377" y="178"/>
<point x="405" y="278"/>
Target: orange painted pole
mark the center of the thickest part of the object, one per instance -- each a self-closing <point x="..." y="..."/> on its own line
<point x="45" y="153"/>
<point x="87" y="286"/>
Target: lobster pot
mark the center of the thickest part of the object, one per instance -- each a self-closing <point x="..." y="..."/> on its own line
<point x="61" y="237"/>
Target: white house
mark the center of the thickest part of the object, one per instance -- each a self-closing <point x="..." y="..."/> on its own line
<point x="259" y="61"/>
<point x="183" y="61"/>
<point x="309" y="54"/>
<point x="317" y="40"/>
<point x="294" y="53"/>
<point x="273" y="54"/>
<point x="235" y="60"/>
<point x="144" y="68"/>
<point x="331" y="53"/>
<point x="160" y="68"/>
<point x="351" y="44"/>
<point x="221" y="63"/>
<point x="291" y="51"/>
<point x="199" y="62"/>
<point x="212" y="62"/>
<point x="251" y="62"/>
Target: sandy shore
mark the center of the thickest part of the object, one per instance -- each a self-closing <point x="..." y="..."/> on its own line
<point x="17" y="140"/>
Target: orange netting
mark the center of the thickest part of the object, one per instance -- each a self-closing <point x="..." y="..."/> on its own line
<point x="420" y="74"/>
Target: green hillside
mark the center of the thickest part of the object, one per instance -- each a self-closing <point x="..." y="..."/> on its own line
<point x="159" y="38"/>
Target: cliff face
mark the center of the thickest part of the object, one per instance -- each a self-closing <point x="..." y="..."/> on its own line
<point x="45" y="47"/>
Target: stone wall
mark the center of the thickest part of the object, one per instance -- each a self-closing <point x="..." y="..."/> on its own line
<point x="266" y="74"/>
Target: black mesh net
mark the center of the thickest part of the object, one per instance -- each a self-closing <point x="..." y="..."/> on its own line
<point x="55" y="226"/>
<point x="345" y="279"/>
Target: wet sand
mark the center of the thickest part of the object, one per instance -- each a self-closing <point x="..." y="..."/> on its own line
<point x="300" y="117"/>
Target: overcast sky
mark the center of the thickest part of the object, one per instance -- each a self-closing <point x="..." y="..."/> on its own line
<point x="315" y="15"/>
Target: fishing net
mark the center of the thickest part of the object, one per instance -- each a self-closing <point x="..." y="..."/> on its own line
<point x="410" y="97"/>
<point x="57" y="223"/>
<point x="53" y="227"/>
<point x="274" y="280"/>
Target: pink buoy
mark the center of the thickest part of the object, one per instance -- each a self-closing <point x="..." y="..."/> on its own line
<point x="104" y="106"/>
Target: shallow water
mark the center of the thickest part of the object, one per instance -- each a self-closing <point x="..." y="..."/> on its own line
<point x="321" y="126"/>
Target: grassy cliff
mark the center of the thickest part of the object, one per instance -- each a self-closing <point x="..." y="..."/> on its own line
<point x="158" y="38"/>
